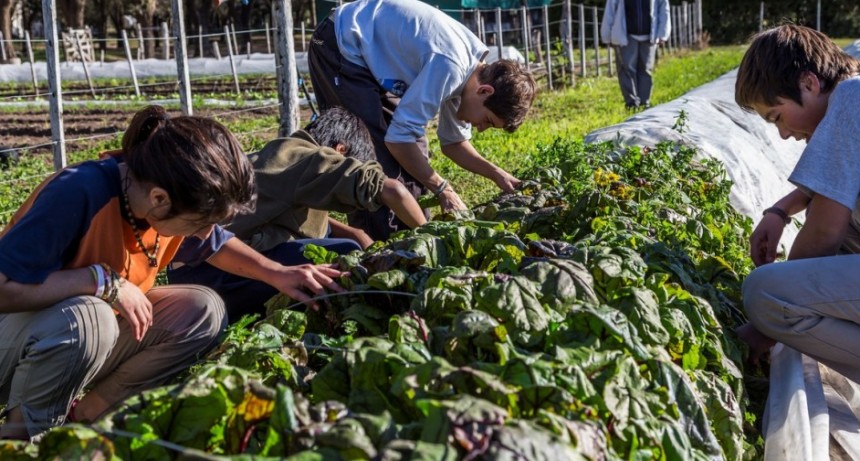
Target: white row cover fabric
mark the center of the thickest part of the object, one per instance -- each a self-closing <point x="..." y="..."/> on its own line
<point x="255" y="63"/>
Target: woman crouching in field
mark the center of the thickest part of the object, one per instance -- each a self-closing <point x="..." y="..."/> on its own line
<point x="79" y="260"/>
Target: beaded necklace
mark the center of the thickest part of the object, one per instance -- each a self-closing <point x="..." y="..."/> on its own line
<point x="151" y="257"/>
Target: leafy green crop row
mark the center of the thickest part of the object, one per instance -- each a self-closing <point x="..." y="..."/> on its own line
<point x="586" y="316"/>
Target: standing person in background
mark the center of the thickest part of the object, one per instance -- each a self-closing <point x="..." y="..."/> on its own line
<point x="78" y="262"/>
<point x="328" y="166"/>
<point x="635" y="28"/>
<point x="397" y="64"/>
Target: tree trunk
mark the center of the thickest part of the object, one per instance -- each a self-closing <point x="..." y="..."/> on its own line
<point x="6" y="27"/>
<point x="73" y="13"/>
<point x="147" y="21"/>
<point x="203" y="13"/>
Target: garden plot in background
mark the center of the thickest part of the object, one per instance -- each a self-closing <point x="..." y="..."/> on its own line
<point x="810" y="409"/>
<point x="255" y="63"/>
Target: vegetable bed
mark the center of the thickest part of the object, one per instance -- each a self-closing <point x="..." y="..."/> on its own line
<point x="587" y="316"/>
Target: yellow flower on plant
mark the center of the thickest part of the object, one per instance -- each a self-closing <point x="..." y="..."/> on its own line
<point x="605" y="178"/>
<point x="620" y="190"/>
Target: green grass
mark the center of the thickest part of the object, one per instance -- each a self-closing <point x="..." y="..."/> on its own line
<point x="594" y="102"/>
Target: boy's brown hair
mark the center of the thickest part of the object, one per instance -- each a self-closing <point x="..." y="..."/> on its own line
<point x="514" y="91"/>
<point x="778" y="57"/>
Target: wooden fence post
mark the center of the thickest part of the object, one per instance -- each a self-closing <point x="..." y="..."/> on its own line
<point x="127" y="47"/>
<point x="232" y="61"/>
<point x="288" y="90"/>
<point x="526" y="31"/>
<point x="268" y="37"/>
<point x="55" y="90"/>
<point x="548" y="50"/>
<point x="235" y="38"/>
<point x="596" y="37"/>
<point x="77" y="39"/>
<point x="2" y="47"/>
<point x="199" y="41"/>
<point x="141" y="49"/>
<point x="499" y="33"/>
<point x="581" y="40"/>
<point x="304" y="41"/>
<point x="567" y="38"/>
<point x="165" y="41"/>
<point x="32" y="64"/>
<point x="181" y="54"/>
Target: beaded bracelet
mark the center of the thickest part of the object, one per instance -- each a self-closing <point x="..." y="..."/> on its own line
<point x="112" y="284"/>
<point x="116" y="283"/>
<point x="441" y="188"/>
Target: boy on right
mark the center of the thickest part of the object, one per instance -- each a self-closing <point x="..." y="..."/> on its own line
<point x="799" y="80"/>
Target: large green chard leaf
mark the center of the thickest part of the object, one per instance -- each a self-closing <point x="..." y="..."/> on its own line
<point x="602" y="326"/>
<point x="476" y="336"/>
<point x="432" y="249"/>
<point x="561" y="282"/>
<point x="692" y="414"/>
<point x="74" y="441"/>
<point x="723" y="411"/>
<point x="642" y="309"/>
<point x="516" y="303"/>
<point x="526" y="440"/>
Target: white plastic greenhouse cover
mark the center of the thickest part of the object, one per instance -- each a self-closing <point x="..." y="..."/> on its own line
<point x="812" y="411"/>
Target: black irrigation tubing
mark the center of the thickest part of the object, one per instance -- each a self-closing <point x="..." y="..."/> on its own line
<point x="192" y="452"/>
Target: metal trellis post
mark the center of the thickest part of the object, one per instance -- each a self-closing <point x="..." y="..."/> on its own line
<point x="52" y="56"/>
<point x="499" y="41"/>
<point x="285" y="65"/>
<point x="32" y="64"/>
<point x="548" y="50"/>
<point x="127" y="47"/>
<point x="581" y="40"/>
<point x="232" y="59"/>
<point x="526" y="32"/>
<point x="596" y="37"/>
<point x="181" y="53"/>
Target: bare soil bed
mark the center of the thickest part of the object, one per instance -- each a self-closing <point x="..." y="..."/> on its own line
<point x="86" y="126"/>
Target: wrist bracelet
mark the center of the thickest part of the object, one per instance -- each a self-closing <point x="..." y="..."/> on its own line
<point x="442" y="187"/>
<point x="779" y="212"/>
<point x="98" y="277"/>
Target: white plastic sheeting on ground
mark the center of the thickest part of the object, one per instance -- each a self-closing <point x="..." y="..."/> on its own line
<point x="812" y="412"/>
<point x="255" y="63"/>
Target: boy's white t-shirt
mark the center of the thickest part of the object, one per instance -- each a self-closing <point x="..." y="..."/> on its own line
<point x="414" y="51"/>
<point x="830" y="164"/>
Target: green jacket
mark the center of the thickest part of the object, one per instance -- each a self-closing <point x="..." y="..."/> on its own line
<point x="298" y="183"/>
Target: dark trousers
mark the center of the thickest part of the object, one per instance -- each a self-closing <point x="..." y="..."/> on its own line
<point x="338" y="82"/>
<point x="635" y="64"/>
<point x="247" y="296"/>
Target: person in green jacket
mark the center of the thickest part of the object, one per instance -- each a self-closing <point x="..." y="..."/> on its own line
<point x="328" y="166"/>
